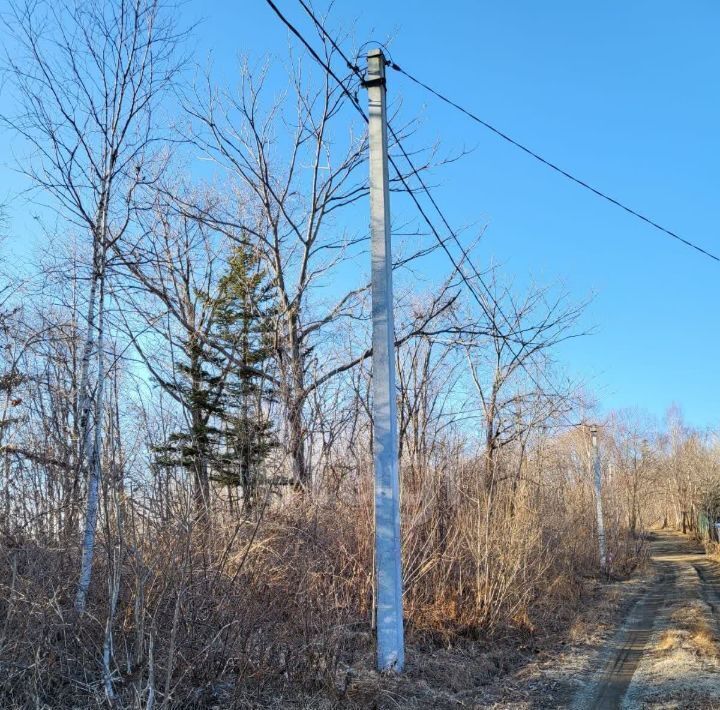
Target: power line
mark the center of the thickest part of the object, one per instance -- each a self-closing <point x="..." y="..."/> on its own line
<point x="317" y="57"/>
<point x="393" y="65"/>
<point x="466" y="257"/>
<point x="353" y="99"/>
<point x="552" y="165"/>
<point x="414" y="171"/>
<point x="356" y="70"/>
<point x="352" y="66"/>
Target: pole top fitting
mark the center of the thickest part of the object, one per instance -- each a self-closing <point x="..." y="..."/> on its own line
<point x="593" y="428"/>
<point x="375" y="68"/>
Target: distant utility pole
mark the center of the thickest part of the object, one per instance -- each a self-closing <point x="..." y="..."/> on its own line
<point x="598" y="498"/>
<point x="388" y="566"/>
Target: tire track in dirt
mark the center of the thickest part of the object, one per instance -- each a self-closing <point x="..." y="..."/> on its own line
<point x="627" y="648"/>
<point x="672" y="558"/>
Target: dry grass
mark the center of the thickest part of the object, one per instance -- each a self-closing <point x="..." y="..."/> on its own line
<point x="690" y="631"/>
<point x="681" y="668"/>
<point x="256" y="612"/>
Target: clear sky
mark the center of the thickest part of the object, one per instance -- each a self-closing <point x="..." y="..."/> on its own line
<point x="623" y="94"/>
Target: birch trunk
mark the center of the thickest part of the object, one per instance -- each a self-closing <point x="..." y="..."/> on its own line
<point x="95" y="457"/>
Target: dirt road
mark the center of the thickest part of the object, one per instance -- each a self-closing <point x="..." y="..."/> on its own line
<point x="666" y="653"/>
<point x="648" y="642"/>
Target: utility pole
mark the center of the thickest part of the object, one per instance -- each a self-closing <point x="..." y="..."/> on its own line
<point x="598" y="498"/>
<point x="388" y="565"/>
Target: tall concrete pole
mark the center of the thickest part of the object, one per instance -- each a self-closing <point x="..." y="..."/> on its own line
<point x="598" y="499"/>
<point x="390" y="642"/>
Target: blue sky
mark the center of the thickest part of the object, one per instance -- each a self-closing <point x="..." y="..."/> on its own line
<point x="625" y="95"/>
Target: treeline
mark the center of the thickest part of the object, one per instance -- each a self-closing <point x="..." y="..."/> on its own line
<point x="185" y="407"/>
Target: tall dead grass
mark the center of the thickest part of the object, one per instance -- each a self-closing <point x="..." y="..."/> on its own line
<point x="246" y="612"/>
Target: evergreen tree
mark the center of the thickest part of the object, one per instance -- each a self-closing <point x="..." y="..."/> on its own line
<point x="228" y="435"/>
<point x="245" y="312"/>
<point x="198" y="385"/>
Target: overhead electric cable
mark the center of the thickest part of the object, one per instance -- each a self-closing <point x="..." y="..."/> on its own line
<point x="552" y="165"/>
<point x="408" y="189"/>
<point x="466" y="257"/>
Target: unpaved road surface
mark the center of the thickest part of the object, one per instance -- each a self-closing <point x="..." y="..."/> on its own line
<point x="648" y="642"/>
<point x="666" y="653"/>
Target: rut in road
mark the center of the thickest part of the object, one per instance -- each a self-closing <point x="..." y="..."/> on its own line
<point x="676" y="611"/>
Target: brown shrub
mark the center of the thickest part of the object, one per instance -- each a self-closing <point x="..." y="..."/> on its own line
<point x="247" y="612"/>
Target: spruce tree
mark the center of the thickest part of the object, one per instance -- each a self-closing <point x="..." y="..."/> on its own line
<point x="245" y="311"/>
<point x="198" y="385"/>
<point x="228" y="435"/>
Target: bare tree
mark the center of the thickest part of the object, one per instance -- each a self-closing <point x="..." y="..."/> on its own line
<point x="292" y="172"/>
<point x="510" y="364"/>
<point x="631" y="458"/>
<point x="88" y="77"/>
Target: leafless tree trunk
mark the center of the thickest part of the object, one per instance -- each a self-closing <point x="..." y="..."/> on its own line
<point x="289" y="208"/>
<point x="510" y="365"/>
<point x="87" y="77"/>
